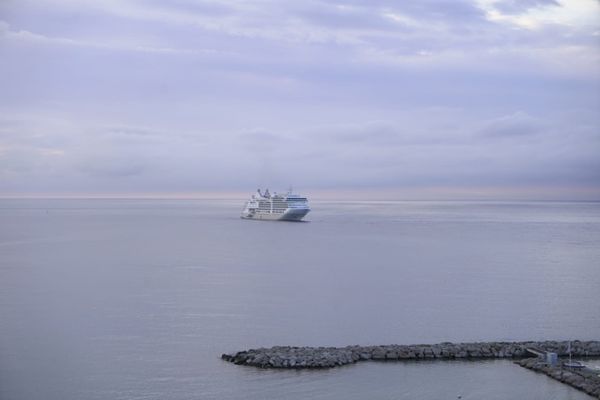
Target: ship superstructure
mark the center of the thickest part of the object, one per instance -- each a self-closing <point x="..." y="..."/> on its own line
<point x="276" y="207"/>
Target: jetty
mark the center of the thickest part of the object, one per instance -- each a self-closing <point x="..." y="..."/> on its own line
<point x="585" y="379"/>
<point x="534" y="355"/>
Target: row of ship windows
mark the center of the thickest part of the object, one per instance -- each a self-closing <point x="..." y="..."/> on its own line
<point x="282" y="203"/>
<point x="277" y="206"/>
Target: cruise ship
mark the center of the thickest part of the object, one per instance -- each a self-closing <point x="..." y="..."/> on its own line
<point x="276" y="207"/>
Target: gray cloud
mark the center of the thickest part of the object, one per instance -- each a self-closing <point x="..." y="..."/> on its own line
<point x="519" y="6"/>
<point x="376" y="154"/>
<point x="517" y="124"/>
<point x="200" y="7"/>
<point x="191" y="96"/>
<point x="110" y="167"/>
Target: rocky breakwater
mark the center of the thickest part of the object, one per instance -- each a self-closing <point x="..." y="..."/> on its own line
<point x="328" y="357"/>
<point x="585" y="379"/>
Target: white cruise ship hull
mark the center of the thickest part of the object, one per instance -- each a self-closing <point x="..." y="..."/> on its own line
<point x="291" y="214"/>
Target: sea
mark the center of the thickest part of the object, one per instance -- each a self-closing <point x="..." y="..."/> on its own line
<point x="138" y="299"/>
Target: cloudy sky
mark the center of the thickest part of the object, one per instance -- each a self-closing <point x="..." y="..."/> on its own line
<point x="439" y="98"/>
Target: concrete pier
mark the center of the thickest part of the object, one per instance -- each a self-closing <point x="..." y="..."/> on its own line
<point x="328" y="357"/>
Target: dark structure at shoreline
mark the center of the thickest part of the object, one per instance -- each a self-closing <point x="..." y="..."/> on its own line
<point x="526" y="354"/>
<point x="584" y="379"/>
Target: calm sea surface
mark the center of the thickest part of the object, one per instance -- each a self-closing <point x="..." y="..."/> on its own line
<point x="137" y="299"/>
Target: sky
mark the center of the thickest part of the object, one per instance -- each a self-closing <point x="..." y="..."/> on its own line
<point x="492" y="99"/>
